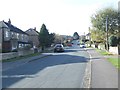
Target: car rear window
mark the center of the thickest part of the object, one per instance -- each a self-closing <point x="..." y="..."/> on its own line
<point x="58" y="46"/>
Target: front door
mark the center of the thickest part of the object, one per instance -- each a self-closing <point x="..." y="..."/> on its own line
<point x="14" y="45"/>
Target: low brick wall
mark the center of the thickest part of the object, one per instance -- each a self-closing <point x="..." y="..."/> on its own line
<point x="25" y="52"/>
<point x="15" y="54"/>
<point x="93" y="45"/>
<point x="9" y="55"/>
<point x="19" y="53"/>
<point x="113" y="50"/>
<point x="101" y="46"/>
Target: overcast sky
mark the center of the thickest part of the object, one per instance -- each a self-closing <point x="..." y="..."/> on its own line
<point x="60" y="16"/>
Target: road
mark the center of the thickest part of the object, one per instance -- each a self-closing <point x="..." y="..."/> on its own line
<point x="58" y="70"/>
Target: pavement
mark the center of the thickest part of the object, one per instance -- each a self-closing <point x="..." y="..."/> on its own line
<point x="103" y="73"/>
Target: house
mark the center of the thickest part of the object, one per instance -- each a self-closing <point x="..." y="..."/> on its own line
<point x="13" y="38"/>
<point x="88" y="36"/>
<point x="33" y="36"/>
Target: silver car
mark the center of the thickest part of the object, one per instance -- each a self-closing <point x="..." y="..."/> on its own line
<point x="58" y="48"/>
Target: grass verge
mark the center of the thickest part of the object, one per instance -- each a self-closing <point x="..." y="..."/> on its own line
<point x="114" y="61"/>
<point x="103" y="52"/>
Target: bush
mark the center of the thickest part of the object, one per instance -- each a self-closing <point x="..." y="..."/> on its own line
<point x="0" y="50"/>
<point x="5" y="50"/>
<point x="15" y="50"/>
<point x="27" y="47"/>
<point x="113" y="41"/>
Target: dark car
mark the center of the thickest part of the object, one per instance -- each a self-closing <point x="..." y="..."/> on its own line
<point x="58" y="48"/>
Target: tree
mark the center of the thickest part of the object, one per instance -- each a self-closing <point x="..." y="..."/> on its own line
<point x="75" y="36"/>
<point x="99" y="20"/>
<point x="98" y="36"/>
<point x="58" y="39"/>
<point x="51" y="39"/>
<point x="113" y="41"/>
<point x="43" y="36"/>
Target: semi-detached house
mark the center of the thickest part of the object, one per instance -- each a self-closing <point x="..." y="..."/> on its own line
<point x="13" y="38"/>
<point x="33" y="36"/>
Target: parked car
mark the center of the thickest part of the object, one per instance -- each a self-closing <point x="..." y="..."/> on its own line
<point x="70" y="45"/>
<point x="82" y="45"/>
<point x="58" y="48"/>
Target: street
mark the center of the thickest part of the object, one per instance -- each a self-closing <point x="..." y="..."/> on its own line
<point x="54" y="44"/>
<point x="59" y="70"/>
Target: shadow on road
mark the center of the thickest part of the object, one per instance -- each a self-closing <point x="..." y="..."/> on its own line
<point x="36" y="66"/>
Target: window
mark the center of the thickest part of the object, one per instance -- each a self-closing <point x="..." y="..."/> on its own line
<point x="22" y="36"/>
<point x="17" y="35"/>
<point x="6" y="34"/>
<point x="12" y="34"/>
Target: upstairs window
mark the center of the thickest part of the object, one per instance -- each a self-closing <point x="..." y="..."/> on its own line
<point x="17" y="35"/>
<point x="6" y="34"/>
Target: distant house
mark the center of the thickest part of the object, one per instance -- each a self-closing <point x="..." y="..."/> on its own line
<point x="75" y="37"/>
<point x="69" y="38"/>
<point x="88" y="36"/>
<point x="82" y="37"/>
<point x="13" y="38"/>
<point x="33" y="36"/>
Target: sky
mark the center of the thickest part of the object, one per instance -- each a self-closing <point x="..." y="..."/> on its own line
<point x="63" y="17"/>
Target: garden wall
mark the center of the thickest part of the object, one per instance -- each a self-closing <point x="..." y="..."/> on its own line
<point x="113" y="50"/>
<point x="15" y="54"/>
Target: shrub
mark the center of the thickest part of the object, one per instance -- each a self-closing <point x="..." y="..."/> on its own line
<point x="113" y="41"/>
<point x="27" y="47"/>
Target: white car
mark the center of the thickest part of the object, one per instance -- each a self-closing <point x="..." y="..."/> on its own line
<point x="82" y="45"/>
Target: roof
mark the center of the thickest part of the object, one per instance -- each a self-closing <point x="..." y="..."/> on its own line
<point x="3" y="25"/>
<point x="88" y="34"/>
<point x="15" y="29"/>
<point x="32" y="32"/>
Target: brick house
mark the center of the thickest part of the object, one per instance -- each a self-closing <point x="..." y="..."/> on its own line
<point x="13" y="38"/>
<point x="33" y="36"/>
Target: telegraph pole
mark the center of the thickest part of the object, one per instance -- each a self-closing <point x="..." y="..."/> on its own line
<point x="107" y="47"/>
<point x="89" y="37"/>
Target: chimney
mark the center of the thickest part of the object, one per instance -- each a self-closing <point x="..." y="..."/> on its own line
<point x="35" y="28"/>
<point x="9" y="22"/>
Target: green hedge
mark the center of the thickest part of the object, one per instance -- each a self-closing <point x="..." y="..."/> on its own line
<point x="113" y="41"/>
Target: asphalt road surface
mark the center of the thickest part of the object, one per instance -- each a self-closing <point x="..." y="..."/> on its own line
<point x="59" y="70"/>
